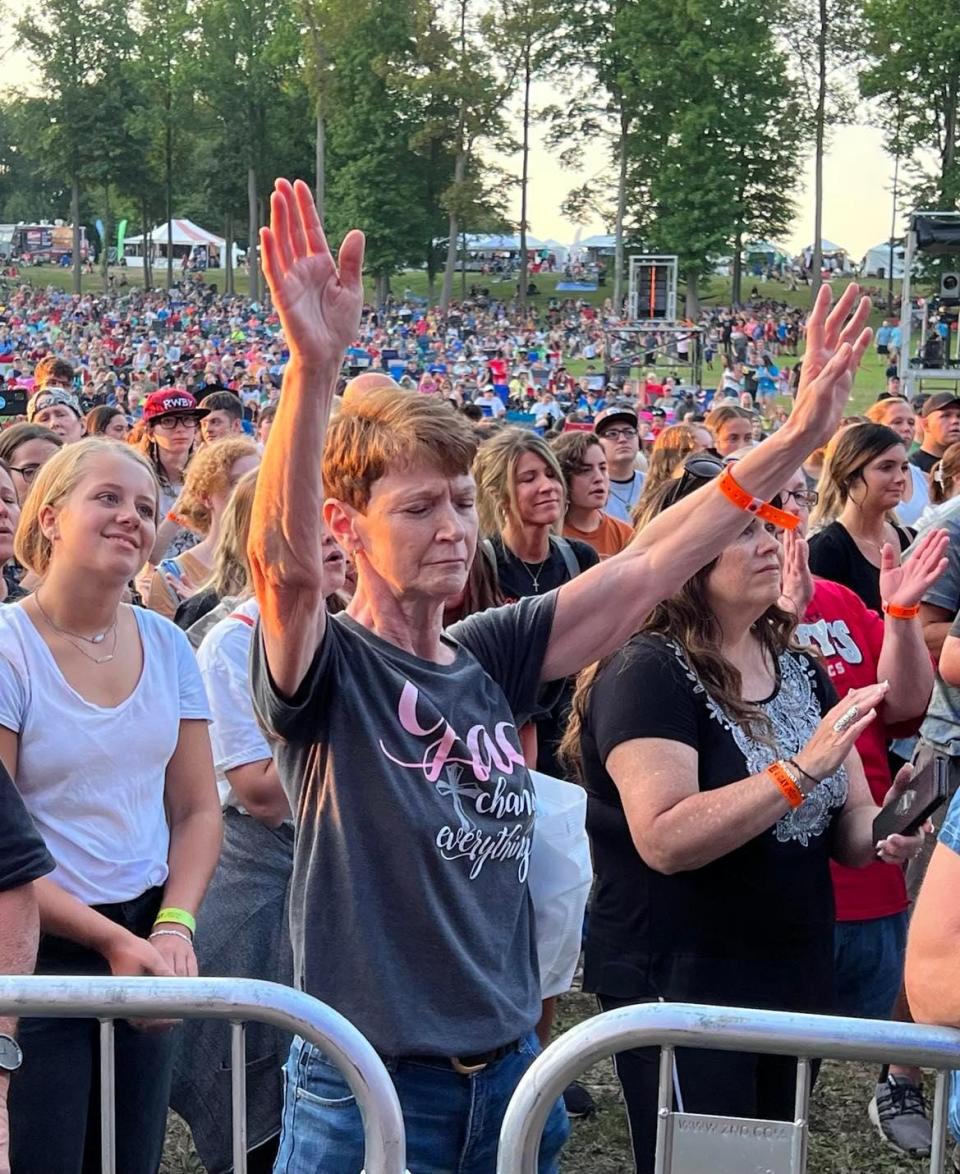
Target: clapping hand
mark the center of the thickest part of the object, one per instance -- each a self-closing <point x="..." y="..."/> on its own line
<point x="796" y="588"/>
<point x="318" y="301"/>
<point x="836" y="341"/>
<point x="905" y="584"/>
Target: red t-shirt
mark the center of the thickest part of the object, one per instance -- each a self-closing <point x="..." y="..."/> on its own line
<point x="849" y="635"/>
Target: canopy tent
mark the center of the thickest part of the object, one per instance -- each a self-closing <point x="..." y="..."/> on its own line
<point x="561" y="252"/>
<point x="499" y="243"/>
<point x="189" y="240"/>
<point x="601" y="244"/>
<point x="832" y="255"/>
<point x="766" y="251"/>
<point x="876" y="261"/>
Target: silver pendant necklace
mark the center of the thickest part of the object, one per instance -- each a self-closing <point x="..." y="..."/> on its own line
<point x="96" y="639"/>
<point x="534" y="577"/>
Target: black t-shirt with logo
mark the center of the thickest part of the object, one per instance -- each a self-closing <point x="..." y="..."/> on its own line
<point x="519" y="580"/>
<point x="753" y="928"/>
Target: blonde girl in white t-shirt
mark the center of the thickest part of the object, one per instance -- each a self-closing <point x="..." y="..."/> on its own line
<point x="103" y="726"/>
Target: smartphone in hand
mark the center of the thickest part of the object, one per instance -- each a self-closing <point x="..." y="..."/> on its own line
<point x="914" y="806"/>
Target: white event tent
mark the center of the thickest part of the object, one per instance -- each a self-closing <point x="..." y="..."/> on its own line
<point x="189" y="240"/>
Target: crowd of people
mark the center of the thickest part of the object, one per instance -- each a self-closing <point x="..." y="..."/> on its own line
<point x="311" y="615"/>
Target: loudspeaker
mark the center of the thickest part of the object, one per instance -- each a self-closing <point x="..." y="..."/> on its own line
<point x="653" y="283"/>
<point x="950" y="285"/>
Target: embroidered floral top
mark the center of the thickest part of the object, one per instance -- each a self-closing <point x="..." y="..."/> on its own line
<point x="753" y="928"/>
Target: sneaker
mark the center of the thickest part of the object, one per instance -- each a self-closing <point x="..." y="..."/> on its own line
<point x="578" y="1102"/>
<point x="900" y="1115"/>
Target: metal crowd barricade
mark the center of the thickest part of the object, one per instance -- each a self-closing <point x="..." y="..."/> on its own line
<point x="691" y="1143"/>
<point x="234" y="999"/>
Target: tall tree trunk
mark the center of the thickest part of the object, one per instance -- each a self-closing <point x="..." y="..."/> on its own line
<point x="459" y="173"/>
<point x="105" y="268"/>
<point x="522" y="301"/>
<point x="817" y="261"/>
<point x="321" y="164"/>
<point x="147" y="243"/>
<point x="621" y="212"/>
<point x="693" y="295"/>
<point x="948" y="181"/>
<point x="75" y="217"/>
<point x="463" y="266"/>
<point x="253" y="250"/>
<point x="228" y="254"/>
<point x="453" y="230"/>
<point x="168" y="184"/>
<point x="382" y="288"/>
<point x="736" y="279"/>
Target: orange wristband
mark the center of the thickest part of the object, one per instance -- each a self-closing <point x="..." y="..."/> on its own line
<point x="895" y="611"/>
<point x="787" y="783"/>
<point x="728" y="486"/>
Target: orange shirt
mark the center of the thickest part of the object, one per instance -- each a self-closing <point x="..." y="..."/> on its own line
<point x="610" y="537"/>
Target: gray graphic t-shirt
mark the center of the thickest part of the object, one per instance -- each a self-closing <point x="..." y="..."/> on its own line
<point x="410" y="912"/>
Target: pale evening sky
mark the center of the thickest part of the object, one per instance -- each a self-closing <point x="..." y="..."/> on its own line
<point x="857" y="182"/>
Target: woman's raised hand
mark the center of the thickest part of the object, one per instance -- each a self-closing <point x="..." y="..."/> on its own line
<point x="905" y="584"/>
<point x="839" y="728"/>
<point x="319" y="301"/>
<point x="836" y="341"/>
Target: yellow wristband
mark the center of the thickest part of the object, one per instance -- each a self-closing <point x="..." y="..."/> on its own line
<point x="177" y="917"/>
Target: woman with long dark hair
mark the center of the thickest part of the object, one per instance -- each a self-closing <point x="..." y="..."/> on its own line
<point x="863" y="479"/>
<point x="714" y="806"/>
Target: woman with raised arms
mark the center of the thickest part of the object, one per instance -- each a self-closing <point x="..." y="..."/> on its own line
<point x="398" y="745"/>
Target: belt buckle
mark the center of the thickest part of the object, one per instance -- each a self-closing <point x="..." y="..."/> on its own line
<point x="466" y="1069"/>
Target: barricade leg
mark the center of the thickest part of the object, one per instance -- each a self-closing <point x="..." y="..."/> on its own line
<point x="238" y="1094"/>
<point x="108" y="1112"/>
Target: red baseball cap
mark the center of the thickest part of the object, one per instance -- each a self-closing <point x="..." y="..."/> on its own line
<point x="171" y="401"/>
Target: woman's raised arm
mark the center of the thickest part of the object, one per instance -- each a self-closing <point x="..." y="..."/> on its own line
<point x="319" y="303"/>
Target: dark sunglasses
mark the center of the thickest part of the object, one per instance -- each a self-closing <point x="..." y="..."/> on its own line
<point x="699" y="468"/>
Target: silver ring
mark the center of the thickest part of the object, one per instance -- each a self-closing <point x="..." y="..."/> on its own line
<point x="846" y="720"/>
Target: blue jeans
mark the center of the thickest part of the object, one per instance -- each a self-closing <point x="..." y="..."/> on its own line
<point x="869" y="965"/>
<point x="452" y="1122"/>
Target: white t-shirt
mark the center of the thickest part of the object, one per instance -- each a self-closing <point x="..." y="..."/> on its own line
<point x="224" y="660"/>
<point x="490" y="399"/>
<point x="93" y="777"/>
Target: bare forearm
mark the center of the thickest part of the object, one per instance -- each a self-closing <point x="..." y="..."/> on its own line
<point x="194" y="851"/>
<point x="931" y="979"/>
<point x="706" y="520"/>
<point x="905" y="662"/>
<point x="257" y="786"/>
<point x="853" y="843"/>
<point x="66" y="917"/>
<point x="711" y="824"/>
<point x="166" y="532"/>
<point x="20" y="921"/>
<point x="285" y="532"/>
<point x="936" y="622"/>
